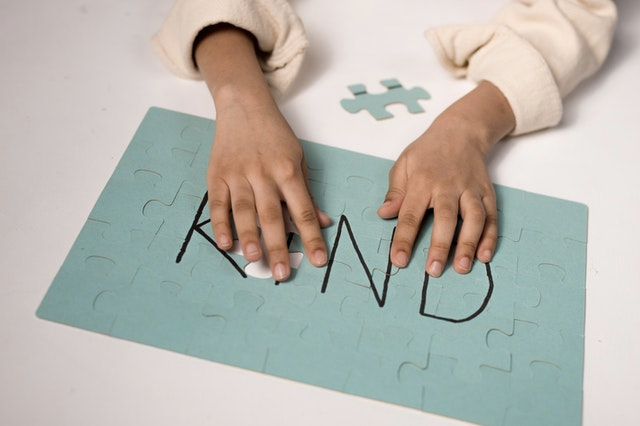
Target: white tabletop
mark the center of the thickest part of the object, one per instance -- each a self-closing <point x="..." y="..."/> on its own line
<point x="77" y="78"/>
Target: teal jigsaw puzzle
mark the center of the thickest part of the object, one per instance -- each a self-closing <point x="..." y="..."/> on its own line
<point x="502" y="345"/>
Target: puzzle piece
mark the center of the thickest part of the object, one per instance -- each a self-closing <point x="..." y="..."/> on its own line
<point x="376" y="103"/>
<point x="146" y="267"/>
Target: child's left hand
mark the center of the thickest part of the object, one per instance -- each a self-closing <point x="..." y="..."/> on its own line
<point x="444" y="170"/>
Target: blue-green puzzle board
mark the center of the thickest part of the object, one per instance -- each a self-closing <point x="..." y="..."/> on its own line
<point x="501" y="345"/>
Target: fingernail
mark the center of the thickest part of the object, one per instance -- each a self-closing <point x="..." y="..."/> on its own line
<point x="280" y="272"/>
<point x="435" y="270"/>
<point x="486" y="255"/>
<point x="224" y="242"/>
<point x="401" y="259"/>
<point x="465" y="264"/>
<point x="319" y="257"/>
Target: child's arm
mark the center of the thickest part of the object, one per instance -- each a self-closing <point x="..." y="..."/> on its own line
<point x="526" y="60"/>
<point x="256" y="161"/>
<point x="444" y="170"/>
<point x="534" y="52"/>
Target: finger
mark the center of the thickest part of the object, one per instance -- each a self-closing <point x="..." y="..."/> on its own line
<point x="219" y="207"/>
<point x="410" y="219"/>
<point x="394" y="197"/>
<point x="273" y="232"/>
<point x="489" y="238"/>
<point x="304" y="215"/>
<point x="243" y="209"/>
<point x="323" y="219"/>
<point x="445" y="220"/>
<point x="473" y="215"/>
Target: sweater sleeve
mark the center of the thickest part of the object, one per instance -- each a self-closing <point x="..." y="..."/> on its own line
<point x="280" y="35"/>
<point x="535" y="52"/>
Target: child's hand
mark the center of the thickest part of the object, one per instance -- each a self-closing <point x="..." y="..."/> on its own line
<point x="256" y="161"/>
<point x="256" y="164"/>
<point x="444" y="170"/>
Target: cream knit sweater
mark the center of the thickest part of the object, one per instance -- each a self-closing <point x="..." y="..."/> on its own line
<point x="534" y="51"/>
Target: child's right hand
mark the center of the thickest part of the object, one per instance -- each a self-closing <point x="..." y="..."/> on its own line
<point x="256" y="164"/>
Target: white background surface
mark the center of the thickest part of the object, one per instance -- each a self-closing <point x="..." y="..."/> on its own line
<point x="76" y="78"/>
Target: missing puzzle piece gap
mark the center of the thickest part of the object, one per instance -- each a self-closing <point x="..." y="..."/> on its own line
<point x="261" y="269"/>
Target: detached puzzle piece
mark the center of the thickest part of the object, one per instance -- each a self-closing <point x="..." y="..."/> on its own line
<point x="376" y="103"/>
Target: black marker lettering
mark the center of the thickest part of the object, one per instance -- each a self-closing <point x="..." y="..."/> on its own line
<point x="197" y="226"/>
